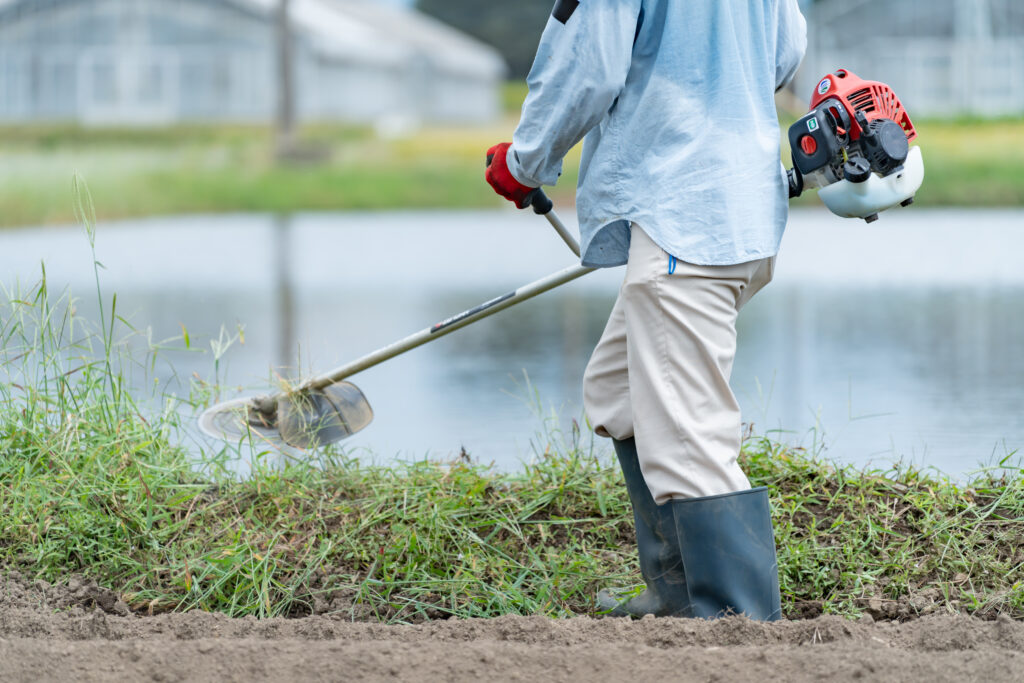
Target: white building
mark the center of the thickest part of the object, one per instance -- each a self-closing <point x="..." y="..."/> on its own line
<point x="168" y="61"/>
<point x="942" y="57"/>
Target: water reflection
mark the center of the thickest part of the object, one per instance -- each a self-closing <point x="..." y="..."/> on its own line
<point x="933" y="376"/>
<point x="898" y="340"/>
<point x="285" y="292"/>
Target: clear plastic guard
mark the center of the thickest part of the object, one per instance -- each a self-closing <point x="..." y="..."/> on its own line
<point x="304" y="419"/>
<point x="307" y="419"/>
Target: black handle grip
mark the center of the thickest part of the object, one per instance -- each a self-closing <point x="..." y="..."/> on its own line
<point x="796" y="182"/>
<point x="540" y="202"/>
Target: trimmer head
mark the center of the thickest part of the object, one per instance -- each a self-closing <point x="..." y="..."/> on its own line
<point x="305" y="418"/>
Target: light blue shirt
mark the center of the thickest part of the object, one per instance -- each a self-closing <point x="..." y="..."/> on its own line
<point x="676" y="100"/>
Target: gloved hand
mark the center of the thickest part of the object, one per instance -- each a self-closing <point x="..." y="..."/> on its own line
<point x="502" y="180"/>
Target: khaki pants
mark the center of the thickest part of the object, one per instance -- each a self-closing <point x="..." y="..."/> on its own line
<point x="661" y="369"/>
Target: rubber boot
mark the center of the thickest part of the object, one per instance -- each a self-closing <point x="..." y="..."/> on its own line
<point x="658" y="546"/>
<point x="728" y="550"/>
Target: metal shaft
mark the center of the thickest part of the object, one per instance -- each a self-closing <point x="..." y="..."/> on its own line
<point x="457" y="322"/>
<point x="449" y="325"/>
<point x="563" y="232"/>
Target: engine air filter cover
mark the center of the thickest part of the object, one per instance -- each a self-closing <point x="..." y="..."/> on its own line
<point x="885" y="145"/>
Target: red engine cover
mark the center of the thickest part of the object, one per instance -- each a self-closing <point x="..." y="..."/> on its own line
<point x="876" y="100"/>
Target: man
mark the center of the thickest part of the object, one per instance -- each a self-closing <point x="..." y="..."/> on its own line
<point x="681" y="180"/>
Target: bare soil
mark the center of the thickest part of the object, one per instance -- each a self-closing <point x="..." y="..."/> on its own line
<point x="79" y="631"/>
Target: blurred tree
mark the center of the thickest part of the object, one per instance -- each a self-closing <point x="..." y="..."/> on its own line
<point x="285" y="114"/>
<point x="514" y="28"/>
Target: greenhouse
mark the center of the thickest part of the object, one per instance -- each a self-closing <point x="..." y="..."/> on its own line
<point x="943" y="57"/>
<point x="155" y="62"/>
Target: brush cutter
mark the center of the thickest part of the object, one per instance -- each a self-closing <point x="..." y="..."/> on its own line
<point x="327" y="409"/>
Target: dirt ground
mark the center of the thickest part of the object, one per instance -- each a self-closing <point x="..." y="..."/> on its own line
<point x="79" y="631"/>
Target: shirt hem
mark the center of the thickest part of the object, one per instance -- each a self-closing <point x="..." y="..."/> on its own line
<point x="723" y="259"/>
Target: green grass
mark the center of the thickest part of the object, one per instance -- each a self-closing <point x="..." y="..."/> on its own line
<point x="94" y="479"/>
<point x="972" y="163"/>
<point x="91" y="482"/>
<point x="212" y="171"/>
<point x="88" y="484"/>
<point x="899" y="542"/>
<point x="188" y="169"/>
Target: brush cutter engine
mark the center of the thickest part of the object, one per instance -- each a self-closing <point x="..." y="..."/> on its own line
<point x="854" y="148"/>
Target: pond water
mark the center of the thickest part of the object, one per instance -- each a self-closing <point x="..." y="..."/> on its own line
<point x="900" y="340"/>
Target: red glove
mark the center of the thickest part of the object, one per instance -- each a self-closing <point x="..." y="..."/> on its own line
<point x="502" y="180"/>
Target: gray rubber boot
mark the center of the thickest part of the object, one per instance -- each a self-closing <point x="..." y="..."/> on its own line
<point x="661" y="565"/>
<point x="728" y="549"/>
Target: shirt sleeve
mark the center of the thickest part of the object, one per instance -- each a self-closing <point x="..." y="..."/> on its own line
<point x="791" y="43"/>
<point x="580" y="69"/>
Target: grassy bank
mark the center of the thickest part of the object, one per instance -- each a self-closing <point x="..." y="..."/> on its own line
<point x="219" y="169"/>
<point x="96" y="480"/>
<point x="232" y="169"/>
<point x="93" y="482"/>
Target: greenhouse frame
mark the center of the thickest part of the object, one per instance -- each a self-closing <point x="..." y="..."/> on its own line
<point x="158" y="62"/>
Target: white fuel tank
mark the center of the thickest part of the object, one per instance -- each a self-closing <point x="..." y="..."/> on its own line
<point x="876" y="194"/>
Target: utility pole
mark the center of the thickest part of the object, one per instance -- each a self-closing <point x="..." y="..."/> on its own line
<point x="285" y="120"/>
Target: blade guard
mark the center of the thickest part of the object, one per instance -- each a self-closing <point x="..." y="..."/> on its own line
<point x="303" y="419"/>
<point x="309" y="419"/>
<point x="865" y="200"/>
